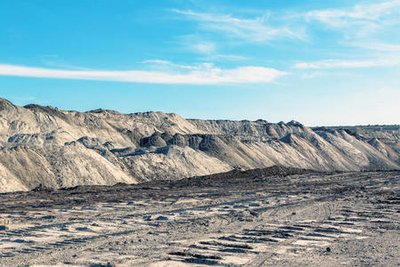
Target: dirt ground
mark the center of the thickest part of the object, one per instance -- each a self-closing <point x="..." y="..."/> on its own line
<point x="270" y="217"/>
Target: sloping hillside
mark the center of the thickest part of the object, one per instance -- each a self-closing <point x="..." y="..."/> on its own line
<point x="45" y="146"/>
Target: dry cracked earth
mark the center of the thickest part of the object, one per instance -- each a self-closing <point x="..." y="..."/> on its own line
<point x="266" y="217"/>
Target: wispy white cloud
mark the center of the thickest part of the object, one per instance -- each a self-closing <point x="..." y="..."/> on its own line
<point x="204" y="47"/>
<point x="250" y="30"/>
<point x="335" y="64"/>
<point x="197" y="44"/>
<point x="226" y="57"/>
<point x="366" y="17"/>
<point x="200" y="74"/>
<point x="157" y="61"/>
<point x="362" y="26"/>
<point x="377" y="46"/>
<point x="208" y="50"/>
<point x="166" y="65"/>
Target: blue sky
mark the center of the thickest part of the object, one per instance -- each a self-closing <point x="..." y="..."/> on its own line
<point x="319" y="62"/>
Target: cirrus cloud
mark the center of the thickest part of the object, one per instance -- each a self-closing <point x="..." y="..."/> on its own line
<point x="256" y="30"/>
<point x="337" y="63"/>
<point x="364" y="17"/>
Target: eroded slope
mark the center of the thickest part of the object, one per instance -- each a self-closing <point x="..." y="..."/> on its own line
<point x="55" y="148"/>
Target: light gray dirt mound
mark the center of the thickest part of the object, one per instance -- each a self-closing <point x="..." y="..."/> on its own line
<point x="55" y="148"/>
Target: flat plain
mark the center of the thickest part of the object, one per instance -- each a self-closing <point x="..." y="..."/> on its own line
<point x="264" y="217"/>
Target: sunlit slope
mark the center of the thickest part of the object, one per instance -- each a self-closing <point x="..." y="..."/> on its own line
<point x="45" y="146"/>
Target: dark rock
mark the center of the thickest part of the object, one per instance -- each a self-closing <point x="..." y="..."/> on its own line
<point x="162" y="218"/>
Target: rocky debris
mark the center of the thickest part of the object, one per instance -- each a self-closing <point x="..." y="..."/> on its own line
<point x="154" y="140"/>
<point x="162" y="218"/>
<point x="41" y="187"/>
<point x="59" y="148"/>
<point x="6" y="105"/>
<point x="101" y="265"/>
<point x="240" y="218"/>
